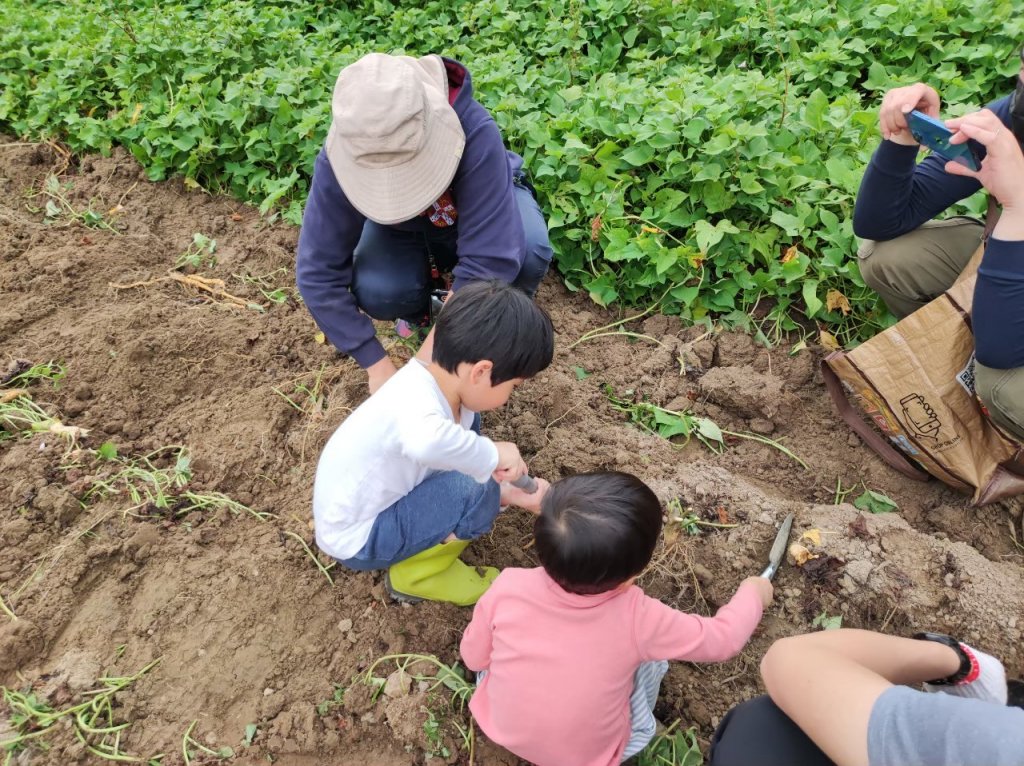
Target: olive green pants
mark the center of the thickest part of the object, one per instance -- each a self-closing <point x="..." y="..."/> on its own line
<point x="911" y="270"/>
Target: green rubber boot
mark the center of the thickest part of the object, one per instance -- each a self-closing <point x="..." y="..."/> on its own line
<point x="437" y="574"/>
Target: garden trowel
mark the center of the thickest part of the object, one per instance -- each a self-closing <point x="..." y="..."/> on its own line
<point x="526" y="483"/>
<point x="778" y="548"/>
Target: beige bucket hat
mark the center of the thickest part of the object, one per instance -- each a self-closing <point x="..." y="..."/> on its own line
<point x="395" y="142"/>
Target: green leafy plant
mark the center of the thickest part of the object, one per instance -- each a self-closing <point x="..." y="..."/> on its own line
<point x="268" y="286"/>
<point x="447" y="677"/>
<point x="189" y="745"/>
<point x="159" y="481"/>
<point x="250" y="734"/>
<point x="688" y="519"/>
<point x="58" y="206"/>
<point x="655" y="176"/>
<point x="199" y="255"/>
<point x="20" y="415"/>
<point x="25" y="374"/>
<point x="825" y="622"/>
<point x="308" y="394"/>
<point x="336" y="700"/>
<point x="875" y="502"/>
<point x="324" y="570"/>
<point x="669" y="423"/>
<point x="93" y="721"/>
<point x="432" y="730"/>
<point x="673" y="747"/>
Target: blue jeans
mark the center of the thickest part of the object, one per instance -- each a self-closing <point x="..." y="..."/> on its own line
<point x="391" y="270"/>
<point x="445" y="503"/>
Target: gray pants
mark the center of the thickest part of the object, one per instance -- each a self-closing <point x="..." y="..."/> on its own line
<point x="646" y="685"/>
<point x="911" y="270"/>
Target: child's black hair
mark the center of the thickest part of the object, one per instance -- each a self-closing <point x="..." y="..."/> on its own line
<point x="596" y="530"/>
<point x="494" y="321"/>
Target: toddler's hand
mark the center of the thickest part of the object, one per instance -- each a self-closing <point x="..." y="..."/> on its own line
<point x="527" y="501"/>
<point x="764" y="589"/>
<point x="510" y="463"/>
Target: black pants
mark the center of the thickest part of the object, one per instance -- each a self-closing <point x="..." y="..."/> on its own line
<point x="391" y="271"/>
<point x="757" y="733"/>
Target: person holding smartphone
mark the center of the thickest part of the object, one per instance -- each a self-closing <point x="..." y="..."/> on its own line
<point x="909" y="259"/>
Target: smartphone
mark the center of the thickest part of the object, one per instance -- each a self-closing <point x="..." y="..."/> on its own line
<point x="935" y="135"/>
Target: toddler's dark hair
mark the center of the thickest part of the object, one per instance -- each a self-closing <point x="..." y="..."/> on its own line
<point x="596" y="530"/>
<point x="494" y="321"/>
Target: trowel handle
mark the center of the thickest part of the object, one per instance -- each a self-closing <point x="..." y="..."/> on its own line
<point x="526" y="483"/>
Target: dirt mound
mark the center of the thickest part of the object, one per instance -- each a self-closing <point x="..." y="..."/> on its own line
<point x="248" y="631"/>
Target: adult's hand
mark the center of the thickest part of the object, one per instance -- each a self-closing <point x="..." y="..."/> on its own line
<point x="1001" y="170"/>
<point x="898" y="103"/>
<point x="378" y="373"/>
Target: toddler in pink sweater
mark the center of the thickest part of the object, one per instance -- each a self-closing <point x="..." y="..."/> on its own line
<point x="571" y="656"/>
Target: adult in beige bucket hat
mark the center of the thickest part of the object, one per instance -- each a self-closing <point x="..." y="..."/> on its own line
<point x="395" y="142"/>
<point x="414" y="182"/>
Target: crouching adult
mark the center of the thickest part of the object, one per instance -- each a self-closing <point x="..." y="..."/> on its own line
<point x="414" y="180"/>
<point x="909" y="259"/>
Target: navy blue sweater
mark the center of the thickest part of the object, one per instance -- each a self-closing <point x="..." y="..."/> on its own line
<point x="898" y="194"/>
<point x="490" y="240"/>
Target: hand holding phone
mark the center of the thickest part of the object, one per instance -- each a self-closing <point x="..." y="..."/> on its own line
<point x="934" y="134"/>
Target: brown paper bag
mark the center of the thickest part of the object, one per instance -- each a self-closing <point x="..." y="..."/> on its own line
<point x="915" y="381"/>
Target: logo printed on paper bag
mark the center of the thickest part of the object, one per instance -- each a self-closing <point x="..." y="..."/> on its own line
<point x="920" y="416"/>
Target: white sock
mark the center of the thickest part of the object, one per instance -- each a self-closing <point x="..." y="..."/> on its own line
<point x="989" y="685"/>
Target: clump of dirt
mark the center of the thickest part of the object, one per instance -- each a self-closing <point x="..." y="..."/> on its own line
<point x="248" y="630"/>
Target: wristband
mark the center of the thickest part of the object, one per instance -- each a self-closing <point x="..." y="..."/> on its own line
<point x="969" y="669"/>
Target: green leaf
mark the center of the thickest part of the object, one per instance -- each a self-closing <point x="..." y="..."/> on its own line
<point x="250" y="734"/>
<point x="107" y="451"/>
<point x="810" y="294"/>
<point x="708" y="429"/>
<point x="638" y="155"/>
<point x="875" y="502"/>
<point x="788" y="222"/>
<point x="581" y="373"/>
<point x="707" y="235"/>
<point x="825" y="622"/>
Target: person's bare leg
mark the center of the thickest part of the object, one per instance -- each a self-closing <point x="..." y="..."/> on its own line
<point x="828" y="682"/>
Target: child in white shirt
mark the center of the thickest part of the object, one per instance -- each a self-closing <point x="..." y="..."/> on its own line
<point x="407" y="481"/>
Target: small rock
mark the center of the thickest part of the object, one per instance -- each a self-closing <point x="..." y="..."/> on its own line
<point x="267" y="692"/>
<point x="859" y="570"/>
<point x="875" y="548"/>
<point x="1012" y="622"/>
<point x="762" y="426"/>
<point x="345" y="625"/>
<point x="853" y="440"/>
<point x="398" y="684"/>
<point x="702" y="573"/>
<point x="948" y="579"/>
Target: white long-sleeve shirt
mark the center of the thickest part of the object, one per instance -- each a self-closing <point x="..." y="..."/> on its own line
<point x="390" y="444"/>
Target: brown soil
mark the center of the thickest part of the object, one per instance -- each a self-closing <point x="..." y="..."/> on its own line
<point x="248" y="631"/>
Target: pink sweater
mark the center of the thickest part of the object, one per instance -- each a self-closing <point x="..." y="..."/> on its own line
<point x="560" y="666"/>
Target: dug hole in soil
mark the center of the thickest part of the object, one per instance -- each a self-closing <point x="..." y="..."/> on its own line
<point x="248" y="630"/>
